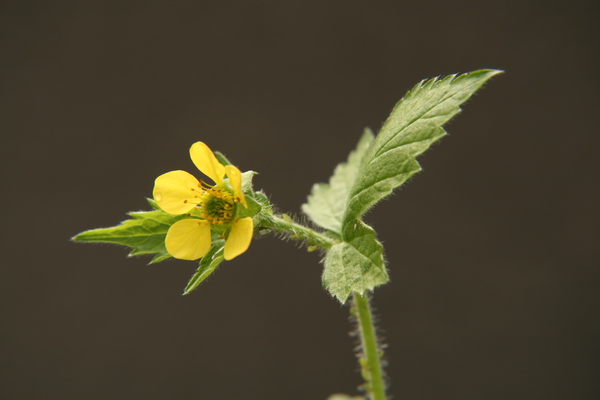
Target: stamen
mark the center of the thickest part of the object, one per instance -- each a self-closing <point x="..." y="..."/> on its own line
<point x="216" y="204"/>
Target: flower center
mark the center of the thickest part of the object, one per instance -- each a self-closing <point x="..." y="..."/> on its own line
<point x="217" y="206"/>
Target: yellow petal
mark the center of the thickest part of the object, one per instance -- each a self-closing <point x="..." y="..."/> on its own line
<point x="239" y="238"/>
<point x="188" y="239"/>
<point x="204" y="159"/>
<point x="176" y="191"/>
<point x="235" y="179"/>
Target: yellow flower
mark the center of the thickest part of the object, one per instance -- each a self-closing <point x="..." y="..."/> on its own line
<point x="178" y="192"/>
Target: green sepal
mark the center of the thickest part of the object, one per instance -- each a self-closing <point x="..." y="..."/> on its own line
<point x="153" y="204"/>
<point x="160" y="257"/>
<point x="263" y="201"/>
<point x="247" y="180"/>
<point x="254" y="208"/>
<point x="327" y="202"/>
<point x="145" y="233"/>
<point x="207" y="266"/>
<point x="221" y="158"/>
<point x="263" y="220"/>
<point x="413" y="126"/>
<point x="355" y="265"/>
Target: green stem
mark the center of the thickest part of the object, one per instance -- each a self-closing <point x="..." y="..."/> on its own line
<point x="284" y="223"/>
<point x="370" y="359"/>
<point x="371" y="363"/>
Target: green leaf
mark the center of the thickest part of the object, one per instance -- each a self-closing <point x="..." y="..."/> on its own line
<point x="145" y="233"/>
<point x="327" y="203"/>
<point x="356" y="264"/>
<point x="208" y="264"/>
<point x="374" y="170"/>
<point x="414" y="124"/>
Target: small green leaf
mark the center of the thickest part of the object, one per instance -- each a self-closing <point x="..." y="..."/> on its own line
<point x="208" y="264"/>
<point x="327" y="203"/>
<point x="145" y="233"/>
<point x="414" y="124"/>
<point x="356" y="264"/>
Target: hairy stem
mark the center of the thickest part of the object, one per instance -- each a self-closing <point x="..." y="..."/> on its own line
<point x="371" y="358"/>
<point x="296" y="231"/>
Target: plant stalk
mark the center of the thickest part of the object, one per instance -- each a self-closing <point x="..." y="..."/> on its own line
<point x="296" y="231"/>
<point x="370" y="359"/>
<point x="371" y="363"/>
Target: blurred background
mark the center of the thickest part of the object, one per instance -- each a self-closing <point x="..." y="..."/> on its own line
<point x="493" y="249"/>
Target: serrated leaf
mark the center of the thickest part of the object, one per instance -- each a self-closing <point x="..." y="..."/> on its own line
<point x="414" y="124"/>
<point x="356" y="264"/>
<point x="327" y="202"/>
<point x="160" y="257"/>
<point x="208" y="264"/>
<point x="145" y="233"/>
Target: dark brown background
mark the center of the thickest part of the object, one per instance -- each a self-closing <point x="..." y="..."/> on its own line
<point x="493" y="250"/>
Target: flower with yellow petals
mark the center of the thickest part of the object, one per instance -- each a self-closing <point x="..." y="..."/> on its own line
<point x="209" y="206"/>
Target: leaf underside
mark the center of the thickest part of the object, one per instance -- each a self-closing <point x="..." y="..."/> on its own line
<point x="356" y="264"/>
